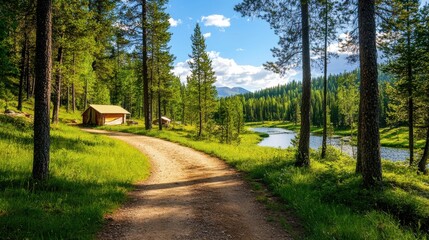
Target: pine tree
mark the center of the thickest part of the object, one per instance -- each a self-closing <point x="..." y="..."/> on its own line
<point x="422" y="83"/>
<point x="348" y="101"/>
<point x="201" y="80"/>
<point x="161" y="60"/>
<point x="333" y="14"/>
<point x="28" y="12"/>
<point x="400" y="48"/>
<point x="230" y="119"/>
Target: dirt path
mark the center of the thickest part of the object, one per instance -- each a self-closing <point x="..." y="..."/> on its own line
<point x="189" y="195"/>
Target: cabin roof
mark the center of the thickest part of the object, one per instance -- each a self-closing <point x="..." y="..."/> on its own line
<point x="108" y="109"/>
<point x="165" y="118"/>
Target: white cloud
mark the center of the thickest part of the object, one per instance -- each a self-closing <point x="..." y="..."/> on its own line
<point x="239" y="49"/>
<point x="231" y="74"/>
<point x="216" y="20"/>
<point x="207" y="35"/>
<point x="174" y="23"/>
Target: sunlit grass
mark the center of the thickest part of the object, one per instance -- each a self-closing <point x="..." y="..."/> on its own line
<point x="327" y="197"/>
<point x="89" y="177"/>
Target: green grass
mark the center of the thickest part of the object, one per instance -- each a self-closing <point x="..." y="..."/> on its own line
<point x="328" y="197"/>
<point x="389" y="137"/>
<point x="89" y="177"/>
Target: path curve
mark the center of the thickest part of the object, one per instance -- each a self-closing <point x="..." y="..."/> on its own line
<point x="189" y="195"/>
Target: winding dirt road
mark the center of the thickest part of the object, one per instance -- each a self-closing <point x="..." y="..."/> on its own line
<point x="189" y="195"/>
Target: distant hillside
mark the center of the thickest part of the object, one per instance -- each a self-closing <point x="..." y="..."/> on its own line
<point x="226" y="91"/>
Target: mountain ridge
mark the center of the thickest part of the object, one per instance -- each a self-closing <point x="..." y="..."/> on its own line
<point x="227" y="92"/>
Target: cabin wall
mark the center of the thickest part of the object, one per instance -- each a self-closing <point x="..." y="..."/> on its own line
<point x="114" y="119"/>
<point x="92" y="117"/>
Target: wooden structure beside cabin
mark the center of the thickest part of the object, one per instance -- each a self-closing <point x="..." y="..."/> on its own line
<point x="165" y="121"/>
<point x="104" y="115"/>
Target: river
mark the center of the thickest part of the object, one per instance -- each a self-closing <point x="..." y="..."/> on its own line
<point x="282" y="138"/>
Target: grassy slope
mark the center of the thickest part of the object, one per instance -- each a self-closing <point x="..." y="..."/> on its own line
<point x="328" y="197"/>
<point x="389" y="137"/>
<point x="90" y="176"/>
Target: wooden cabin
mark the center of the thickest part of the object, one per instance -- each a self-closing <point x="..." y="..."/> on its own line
<point x="165" y="121"/>
<point x="104" y="115"/>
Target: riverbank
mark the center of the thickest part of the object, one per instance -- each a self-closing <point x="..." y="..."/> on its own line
<point x="283" y="138"/>
<point x="389" y="137"/>
<point x="327" y="198"/>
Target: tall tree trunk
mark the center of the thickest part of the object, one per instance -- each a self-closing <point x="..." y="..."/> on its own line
<point x="42" y="92"/>
<point x="146" y="108"/>
<point x="200" y="110"/>
<point x="159" y="111"/>
<point x="410" y="92"/>
<point x="33" y="84"/>
<point x="85" y="99"/>
<point x="68" y="98"/>
<point x="183" y="110"/>
<point x="73" y="86"/>
<point x="303" y="156"/>
<point x="22" y="76"/>
<point x="206" y="92"/>
<point x="410" y="114"/>
<point x="325" y="84"/>
<point x="424" y="160"/>
<point x="118" y="65"/>
<point x="150" y="82"/>
<point x="73" y="90"/>
<point x="27" y="73"/>
<point x="370" y="136"/>
<point x="159" y="99"/>
<point x="57" y="99"/>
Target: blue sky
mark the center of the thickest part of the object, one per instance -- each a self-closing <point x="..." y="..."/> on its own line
<point x="238" y="46"/>
<point x="248" y="42"/>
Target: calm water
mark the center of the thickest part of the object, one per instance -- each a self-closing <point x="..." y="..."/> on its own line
<point x="281" y="138"/>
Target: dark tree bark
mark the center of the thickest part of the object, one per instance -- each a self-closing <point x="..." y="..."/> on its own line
<point x="410" y="114"/>
<point x="23" y="71"/>
<point x="325" y="85"/>
<point x="159" y="100"/>
<point x="27" y="74"/>
<point x="410" y="94"/>
<point x="159" y="112"/>
<point x="370" y="136"/>
<point x="303" y="156"/>
<point x="73" y="87"/>
<point x="200" y="110"/>
<point x="146" y="102"/>
<point x="42" y="90"/>
<point x="424" y="160"/>
<point x="57" y="99"/>
<point x="73" y="90"/>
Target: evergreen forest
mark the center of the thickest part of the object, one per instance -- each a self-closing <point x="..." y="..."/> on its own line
<point x="63" y="179"/>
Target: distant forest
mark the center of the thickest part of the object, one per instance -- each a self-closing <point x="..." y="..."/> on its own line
<point x="282" y="103"/>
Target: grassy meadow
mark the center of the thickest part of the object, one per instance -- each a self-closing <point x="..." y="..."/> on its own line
<point x="327" y="198"/>
<point x="89" y="177"/>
